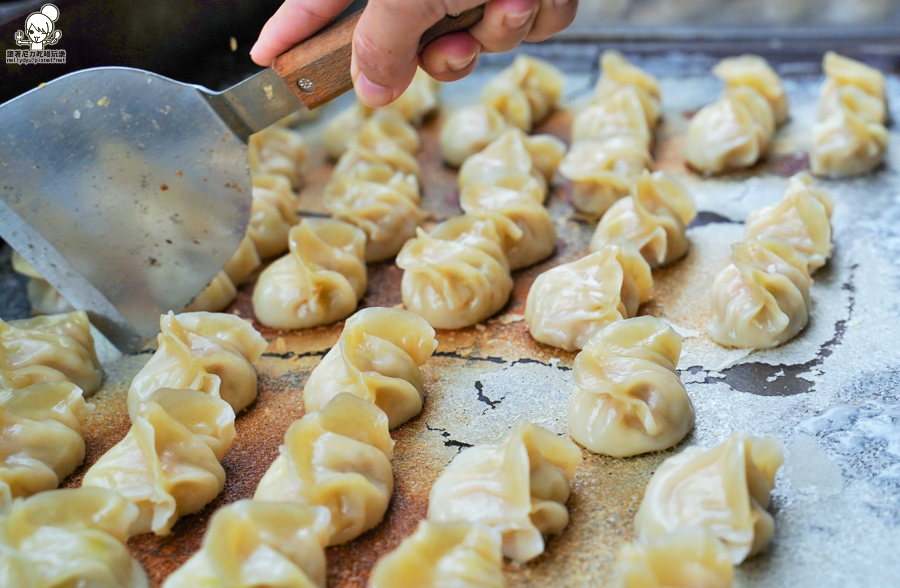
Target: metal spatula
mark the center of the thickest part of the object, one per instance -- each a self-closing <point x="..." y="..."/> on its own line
<point x="129" y="191"/>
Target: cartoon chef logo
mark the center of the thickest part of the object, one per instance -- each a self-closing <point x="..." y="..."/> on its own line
<point x="39" y="29"/>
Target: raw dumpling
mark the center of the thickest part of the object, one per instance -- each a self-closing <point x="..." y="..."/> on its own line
<point x="843" y="72"/>
<point x="202" y="351"/>
<point x="457" y="554"/>
<point x="338" y="457"/>
<point x="628" y="398"/>
<point x="216" y="296"/>
<point x="457" y="275"/>
<point x="618" y="73"/>
<point x="733" y="133"/>
<point x="272" y="214"/>
<point x="691" y="557"/>
<point x="249" y="544"/>
<point x="525" y="92"/>
<point x="469" y="130"/>
<point x="43" y="298"/>
<point x="69" y="538"/>
<point x="341" y="129"/>
<point x="168" y="463"/>
<point x="754" y="72"/>
<point x="279" y="151"/>
<point x="529" y="235"/>
<point x="377" y="358"/>
<point x="761" y="299"/>
<point x="382" y="202"/>
<point x="56" y="348"/>
<point x="518" y="487"/>
<point x="845" y="144"/>
<point x="384" y="138"/>
<point x="802" y="218"/>
<point x="418" y="101"/>
<point x="602" y="171"/>
<point x="243" y="263"/>
<point x="320" y="281"/>
<point x="655" y="218"/>
<point x="619" y="115"/>
<point x="570" y="303"/>
<point x="724" y="489"/>
<point x="41" y="439"/>
<point x="513" y="150"/>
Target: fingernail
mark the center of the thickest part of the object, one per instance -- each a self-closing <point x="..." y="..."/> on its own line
<point x="460" y="63"/>
<point x="372" y="94"/>
<point x="516" y="20"/>
<point x="252" y="49"/>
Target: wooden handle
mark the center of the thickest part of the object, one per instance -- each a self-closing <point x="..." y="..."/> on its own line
<point x="318" y="69"/>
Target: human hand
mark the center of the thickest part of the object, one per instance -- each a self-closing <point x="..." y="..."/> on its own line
<point x="386" y="40"/>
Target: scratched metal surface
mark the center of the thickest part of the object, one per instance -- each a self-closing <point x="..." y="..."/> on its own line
<point x="831" y="394"/>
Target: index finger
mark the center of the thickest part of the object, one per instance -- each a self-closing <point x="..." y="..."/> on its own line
<point x="294" y="21"/>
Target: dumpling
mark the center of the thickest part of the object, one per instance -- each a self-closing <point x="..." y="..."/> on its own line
<point x="320" y="281"/>
<point x="618" y="73"/>
<point x="382" y="202"/>
<point x="457" y="554"/>
<point x="655" y="218"/>
<point x="43" y="298"/>
<point x="341" y="129"/>
<point x="418" y="101"/>
<point x="468" y="130"/>
<point x="384" y="138"/>
<point x="56" y="348"/>
<point x="724" y="489"/>
<point x="867" y="107"/>
<point x="618" y="115"/>
<point x="754" y="72"/>
<point x="71" y="537"/>
<point x="628" y="398"/>
<point x="41" y="438"/>
<point x="529" y="235"/>
<point x="570" y="303"/>
<point x="272" y="214"/>
<point x="691" y="557"/>
<point x="866" y="84"/>
<point x="217" y="296"/>
<point x="518" y="487"/>
<point x="168" y="463"/>
<point x="251" y="543"/>
<point x="526" y="92"/>
<point x="377" y="358"/>
<point x="802" y="218"/>
<point x="845" y="144"/>
<point x="602" y="171"/>
<point x="732" y="133"/>
<point x="761" y="299"/>
<point x="243" y="263"/>
<point x="457" y="275"/>
<point x="209" y="352"/>
<point x="513" y="150"/>
<point x="279" y="151"/>
<point x="338" y="457"/>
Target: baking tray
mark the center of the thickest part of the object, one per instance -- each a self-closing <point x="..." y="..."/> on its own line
<point x="831" y="394"/>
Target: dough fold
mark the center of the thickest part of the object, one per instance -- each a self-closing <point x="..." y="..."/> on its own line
<point x="272" y="214"/>
<point x="280" y="151"/>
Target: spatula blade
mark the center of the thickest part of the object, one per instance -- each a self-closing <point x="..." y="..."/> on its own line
<point x="126" y="190"/>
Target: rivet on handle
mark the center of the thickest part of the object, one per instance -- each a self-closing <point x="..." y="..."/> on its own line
<point x="306" y="85"/>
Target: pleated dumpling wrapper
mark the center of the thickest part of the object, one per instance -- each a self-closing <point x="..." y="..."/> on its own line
<point x="865" y="87"/>
<point x="802" y="218"/>
<point x="468" y="130"/>
<point x="244" y="262"/>
<point x="71" y="537"/>
<point x="272" y="214"/>
<point x="338" y="457"/>
<point x="618" y="115"/>
<point x="570" y="303"/>
<point x="845" y="143"/>
<point x="602" y="170"/>
<point x="691" y="557"/>
<point x="44" y="298"/>
<point x="318" y="282"/>
<point x="168" y="463"/>
<point x="251" y="543"/>
<point x="618" y="73"/>
<point x="755" y="72"/>
<point x="385" y="138"/>
<point x="761" y="299"/>
<point x="519" y="487"/>
<point x="526" y="92"/>
<point x="628" y="398"/>
<point x="41" y="437"/>
<point x="655" y="218"/>
<point x="382" y="202"/>
<point x="54" y="348"/>
<point x="280" y="151"/>
<point x="725" y="489"/>
<point x="217" y="296"/>
<point x="210" y="352"/>
<point x="457" y="275"/>
<point x="456" y="554"/>
<point x="377" y="358"/>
